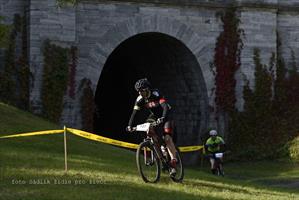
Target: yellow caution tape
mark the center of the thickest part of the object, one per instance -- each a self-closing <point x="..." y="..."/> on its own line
<point x="33" y="133"/>
<point x="120" y="143"/>
<point x="102" y="139"/>
<point x="98" y="138"/>
<point x="190" y="148"/>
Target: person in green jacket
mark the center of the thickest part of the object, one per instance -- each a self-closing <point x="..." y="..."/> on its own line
<point x="215" y="144"/>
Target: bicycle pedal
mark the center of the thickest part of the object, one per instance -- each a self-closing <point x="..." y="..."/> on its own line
<point x="149" y="163"/>
<point x="172" y="172"/>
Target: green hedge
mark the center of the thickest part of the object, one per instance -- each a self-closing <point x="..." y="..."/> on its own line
<point x="8" y="77"/>
<point x="4" y="33"/>
<point x="55" y="79"/>
<point x="269" y="122"/>
<point x="293" y="148"/>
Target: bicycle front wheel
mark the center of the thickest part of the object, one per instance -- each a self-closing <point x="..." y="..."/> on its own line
<point x="148" y="163"/>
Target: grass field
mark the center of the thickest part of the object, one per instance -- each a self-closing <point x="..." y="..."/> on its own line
<point x="32" y="168"/>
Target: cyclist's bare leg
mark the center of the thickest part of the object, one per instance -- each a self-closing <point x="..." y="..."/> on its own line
<point x="172" y="152"/>
<point x="168" y="130"/>
<point x="213" y="165"/>
<point x="170" y="146"/>
<point x="212" y="161"/>
<point x="221" y="164"/>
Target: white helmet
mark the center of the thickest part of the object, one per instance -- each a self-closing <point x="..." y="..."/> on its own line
<point x="213" y="133"/>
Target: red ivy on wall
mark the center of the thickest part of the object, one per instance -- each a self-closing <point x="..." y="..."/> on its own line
<point x="87" y="105"/>
<point x="72" y="71"/>
<point x="24" y="73"/>
<point x="227" y="61"/>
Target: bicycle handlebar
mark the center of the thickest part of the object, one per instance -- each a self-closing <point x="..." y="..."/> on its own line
<point x="153" y="124"/>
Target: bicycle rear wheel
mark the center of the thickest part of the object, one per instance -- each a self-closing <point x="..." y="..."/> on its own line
<point x="148" y="163"/>
<point x="220" y="169"/>
<point x="179" y="168"/>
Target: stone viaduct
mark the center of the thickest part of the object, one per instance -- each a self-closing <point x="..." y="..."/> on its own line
<point x="171" y="42"/>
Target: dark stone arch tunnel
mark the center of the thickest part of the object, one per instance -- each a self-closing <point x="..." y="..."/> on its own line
<point x="171" y="67"/>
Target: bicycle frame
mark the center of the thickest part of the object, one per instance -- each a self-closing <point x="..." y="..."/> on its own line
<point x="145" y="127"/>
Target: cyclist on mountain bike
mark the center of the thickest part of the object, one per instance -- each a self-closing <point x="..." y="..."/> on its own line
<point x="214" y="144"/>
<point x="152" y="100"/>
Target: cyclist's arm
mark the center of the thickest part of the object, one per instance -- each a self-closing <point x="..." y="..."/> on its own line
<point x="222" y="147"/>
<point x="132" y="117"/>
<point x="206" y="148"/>
<point x="164" y="106"/>
<point x="222" y="144"/>
<point x="137" y="107"/>
<point x="135" y="110"/>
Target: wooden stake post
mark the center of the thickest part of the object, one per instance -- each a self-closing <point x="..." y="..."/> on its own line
<point x="65" y="150"/>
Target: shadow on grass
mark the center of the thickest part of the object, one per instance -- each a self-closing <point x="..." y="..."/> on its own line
<point x="100" y="190"/>
<point x="244" y="189"/>
<point x="270" y="175"/>
<point x="290" y="183"/>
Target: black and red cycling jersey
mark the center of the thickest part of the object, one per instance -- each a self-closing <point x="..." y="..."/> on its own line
<point x="155" y="103"/>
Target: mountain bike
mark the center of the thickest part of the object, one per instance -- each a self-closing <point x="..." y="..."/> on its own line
<point x="153" y="156"/>
<point x="218" y="162"/>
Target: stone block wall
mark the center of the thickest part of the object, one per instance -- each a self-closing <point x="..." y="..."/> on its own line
<point x="289" y="2"/>
<point x="8" y="8"/>
<point x="288" y="31"/>
<point x="259" y="32"/>
<point x="47" y="22"/>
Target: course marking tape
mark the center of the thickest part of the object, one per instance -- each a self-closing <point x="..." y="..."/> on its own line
<point x="190" y="148"/>
<point x="120" y="143"/>
<point x="98" y="138"/>
<point x="33" y="133"/>
<point x="102" y="139"/>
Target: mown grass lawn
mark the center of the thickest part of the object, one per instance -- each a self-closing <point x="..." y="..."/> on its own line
<point x="33" y="168"/>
